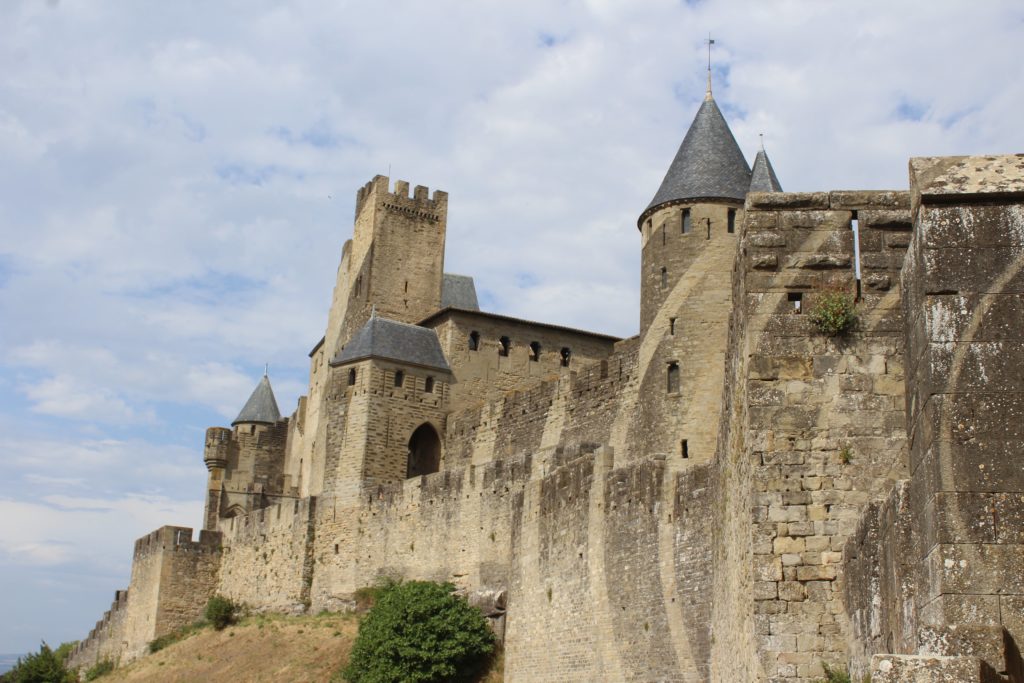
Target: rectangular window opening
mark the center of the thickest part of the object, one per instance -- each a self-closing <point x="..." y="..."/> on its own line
<point x="684" y="449"/>
<point x="796" y="299"/>
<point x="855" y="226"/>
<point x="687" y="223"/>
<point x="672" y="326"/>
<point x="732" y="220"/>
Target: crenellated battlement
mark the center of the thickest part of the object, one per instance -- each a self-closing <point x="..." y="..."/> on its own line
<point x="177" y="538"/>
<point x="419" y="205"/>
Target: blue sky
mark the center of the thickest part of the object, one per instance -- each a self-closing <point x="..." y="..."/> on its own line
<point x="176" y="181"/>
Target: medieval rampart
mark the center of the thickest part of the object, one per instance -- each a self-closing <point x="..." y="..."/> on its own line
<point x="172" y="578"/>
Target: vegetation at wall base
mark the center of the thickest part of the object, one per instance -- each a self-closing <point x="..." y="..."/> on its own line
<point x="420" y="632"/>
<point x="174" y="636"/>
<point x="100" y="669"/>
<point x="833" y="313"/>
<point x="221" y="612"/>
<point x="45" y="666"/>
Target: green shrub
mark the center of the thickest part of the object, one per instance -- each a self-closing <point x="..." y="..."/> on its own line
<point x="419" y="632"/>
<point x="221" y="612"/>
<point x="833" y="312"/>
<point x="100" y="669"/>
<point x="44" y="666"/>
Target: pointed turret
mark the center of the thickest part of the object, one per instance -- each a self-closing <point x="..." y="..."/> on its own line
<point x="261" y="408"/>
<point x="708" y="166"/>
<point x="763" y="178"/>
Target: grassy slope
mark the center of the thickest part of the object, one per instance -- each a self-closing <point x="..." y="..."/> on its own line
<point x="260" y="648"/>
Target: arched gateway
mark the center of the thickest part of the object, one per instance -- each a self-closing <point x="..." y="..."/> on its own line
<point x="424" y="451"/>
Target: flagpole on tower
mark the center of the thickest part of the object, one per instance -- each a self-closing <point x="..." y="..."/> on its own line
<point x="709" y="42"/>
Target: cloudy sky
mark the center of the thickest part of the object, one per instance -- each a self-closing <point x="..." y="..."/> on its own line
<point x="177" y="178"/>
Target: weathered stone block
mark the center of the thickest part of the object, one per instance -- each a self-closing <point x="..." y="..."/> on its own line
<point x="924" y="669"/>
<point x="787" y="200"/>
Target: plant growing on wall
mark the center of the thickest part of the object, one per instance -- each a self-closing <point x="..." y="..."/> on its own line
<point x="420" y="631"/>
<point x="833" y="313"/>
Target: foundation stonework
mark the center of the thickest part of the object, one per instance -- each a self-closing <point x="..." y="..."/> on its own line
<point x="731" y="495"/>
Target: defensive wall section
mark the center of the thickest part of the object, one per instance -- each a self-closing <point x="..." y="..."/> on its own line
<point x="815" y="427"/>
<point x="172" y="578"/>
<point x="937" y="568"/>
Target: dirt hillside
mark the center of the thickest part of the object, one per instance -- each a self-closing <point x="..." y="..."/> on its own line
<point x="262" y="648"/>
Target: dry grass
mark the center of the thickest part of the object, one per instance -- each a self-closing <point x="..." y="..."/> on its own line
<point x="260" y="649"/>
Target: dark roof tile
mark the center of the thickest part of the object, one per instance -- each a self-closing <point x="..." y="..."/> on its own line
<point x="392" y="340"/>
<point x="763" y="178"/>
<point x="261" y="406"/>
<point x="458" y="291"/>
<point x="708" y="165"/>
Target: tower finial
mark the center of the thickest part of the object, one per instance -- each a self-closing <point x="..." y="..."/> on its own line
<point x="709" y="42"/>
<point x="373" y="311"/>
<point x="761" y="135"/>
<point x="266" y="369"/>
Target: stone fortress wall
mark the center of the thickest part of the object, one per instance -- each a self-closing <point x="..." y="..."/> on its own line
<point x="803" y="526"/>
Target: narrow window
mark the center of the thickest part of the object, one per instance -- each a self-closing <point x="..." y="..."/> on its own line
<point x="664" y="277"/>
<point x="535" y="351"/>
<point x="664" y="235"/>
<point x="687" y="224"/>
<point x="252" y="429"/>
<point x="566" y="356"/>
<point x="796" y="299"/>
<point x="684" y="449"/>
<point x="474" y="340"/>
<point x="855" y="226"/>
<point x="672" y="326"/>
<point x="732" y="220"/>
<point x="399" y="378"/>
<point x="352" y="377"/>
<point x="359" y="285"/>
<point x="428" y="385"/>
<point x="673" y="378"/>
<point x="335" y="548"/>
<point x="407" y="282"/>
<point x="505" y="345"/>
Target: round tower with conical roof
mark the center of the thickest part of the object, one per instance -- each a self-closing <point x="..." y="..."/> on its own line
<point x="697" y="206"/>
<point x="689" y="235"/>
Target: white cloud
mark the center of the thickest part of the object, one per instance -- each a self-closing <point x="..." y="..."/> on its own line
<point x="65" y="530"/>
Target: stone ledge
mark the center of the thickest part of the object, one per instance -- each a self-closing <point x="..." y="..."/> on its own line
<point x="924" y="669"/>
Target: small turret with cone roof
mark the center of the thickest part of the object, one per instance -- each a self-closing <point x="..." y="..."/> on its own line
<point x="763" y="178"/>
<point x="261" y="408"/>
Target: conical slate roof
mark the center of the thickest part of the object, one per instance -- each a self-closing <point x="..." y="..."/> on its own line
<point x="708" y="165"/>
<point x="261" y="406"/>
<point x="392" y="340"/>
<point x="763" y="178"/>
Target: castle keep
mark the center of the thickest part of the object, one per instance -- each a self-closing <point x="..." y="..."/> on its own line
<point x="730" y="495"/>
